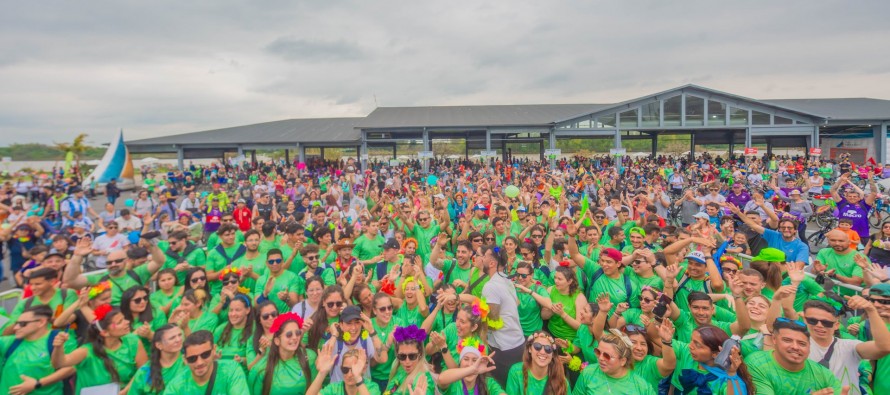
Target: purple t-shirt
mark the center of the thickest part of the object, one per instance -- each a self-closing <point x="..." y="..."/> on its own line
<point x="858" y="213"/>
<point x="739" y="200"/>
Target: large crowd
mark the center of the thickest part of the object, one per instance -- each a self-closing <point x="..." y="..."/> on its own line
<point x="579" y="276"/>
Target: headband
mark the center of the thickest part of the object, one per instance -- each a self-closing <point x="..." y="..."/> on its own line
<point x="229" y="270"/>
<point x="622" y="337"/>
<point x="638" y="230"/>
<point x="471" y="345"/>
<point x="406" y="333"/>
<point x="100" y="313"/>
<point x="480" y="309"/>
<point x="98" y="289"/>
<point x="283" y="319"/>
<point x="410" y="279"/>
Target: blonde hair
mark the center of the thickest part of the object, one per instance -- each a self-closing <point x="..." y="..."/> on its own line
<point x="622" y="343"/>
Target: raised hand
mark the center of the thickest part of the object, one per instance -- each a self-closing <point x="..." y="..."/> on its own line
<point x="326" y="359"/>
<point x="857" y="302"/>
<point x="795" y="272"/>
<point x="604" y="303"/>
<point x="358" y="368"/>
<point x="83" y="247"/>
<point x="666" y="330"/>
<point x="784" y="292"/>
<point x="60" y="339"/>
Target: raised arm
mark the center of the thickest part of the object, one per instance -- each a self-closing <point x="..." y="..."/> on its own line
<point x="756" y="227"/>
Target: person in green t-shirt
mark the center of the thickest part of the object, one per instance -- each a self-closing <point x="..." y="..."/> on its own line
<point x="144" y="318"/>
<point x="191" y="315"/>
<point x="181" y="254"/>
<point x="412" y="368"/>
<point x="206" y="374"/>
<point x="838" y="261"/>
<point x="470" y="376"/>
<point x="698" y="372"/>
<point x="29" y="348"/>
<point x="561" y="303"/>
<point x="143" y="262"/>
<point x="454" y="271"/>
<point x="352" y="364"/>
<point x="651" y="368"/>
<point x="289" y="367"/>
<point x="111" y="355"/>
<point x="787" y="370"/>
<point x="368" y="247"/>
<point x="231" y="336"/>
<point x="540" y="370"/>
<point x="152" y="377"/>
<point x="44" y="292"/>
<point x="530" y="317"/>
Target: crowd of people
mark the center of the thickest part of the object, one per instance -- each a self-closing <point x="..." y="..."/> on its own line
<point x="581" y="276"/>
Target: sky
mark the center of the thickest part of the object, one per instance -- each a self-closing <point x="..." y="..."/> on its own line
<point x="155" y="68"/>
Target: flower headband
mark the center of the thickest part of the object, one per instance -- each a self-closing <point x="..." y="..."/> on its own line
<point x="406" y="333"/>
<point x="481" y="309"/>
<point x="283" y="319"/>
<point x="100" y="313"/>
<point x="410" y="279"/>
<point x="229" y="270"/>
<point x="536" y="335"/>
<point x="98" y="289"/>
<point x="471" y="342"/>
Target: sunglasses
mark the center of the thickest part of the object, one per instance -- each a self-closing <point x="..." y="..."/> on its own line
<point x="22" y="324"/>
<point x="606" y="357"/>
<point x="548" y="349"/>
<point x="600" y="217"/>
<point x="638" y="262"/>
<point x="879" y="301"/>
<point x="345" y="369"/>
<point x="230" y="282"/>
<point x="632" y="328"/>
<point x="139" y="299"/>
<point x="332" y="305"/>
<point x="196" y="279"/>
<point x="412" y="356"/>
<point x="385" y="308"/>
<point x="311" y="257"/>
<point x="203" y="355"/>
<point x="824" y="323"/>
<point x="274" y="261"/>
<point x="523" y="275"/>
<point x="424" y="219"/>
<point x="111" y="227"/>
<point x="644" y="299"/>
<point x="537" y="236"/>
<point x="113" y="261"/>
<point x="477" y="240"/>
<point x="269" y="315"/>
<point x="489" y="239"/>
<point x="731" y="271"/>
<point x="291" y="334"/>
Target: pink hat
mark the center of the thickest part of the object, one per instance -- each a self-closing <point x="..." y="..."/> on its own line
<point x="612" y="253"/>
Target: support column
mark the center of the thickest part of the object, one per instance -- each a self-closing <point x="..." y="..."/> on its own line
<point x="747" y="137"/>
<point x="180" y="158"/>
<point x="364" y="155"/>
<point x="287" y="157"/>
<point x="426" y="141"/>
<point x="692" y="147"/>
<point x="394" y="150"/>
<point x="769" y="148"/>
<point x="301" y="153"/>
<point x="541" y="143"/>
<point x="252" y="156"/>
<point x="731" y="145"/>
<point x="321" y="151"/>
<point x="487" y="143"/>
<point x="654" y="144"/>
<point x="240" y="151"/>
<point x="880" y="141"/>
<point x="552" y="145"/>
<point x="617" y="138"/>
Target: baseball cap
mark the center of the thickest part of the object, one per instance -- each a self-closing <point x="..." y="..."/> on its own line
<point x="137" y="253"/>
<point x="350" y="313"/>
<point x="391" y="243"/>
<point x="794" y="192"/>
<point x="701" y="215"/>
<point x="479" y="207"/>
<point x="769" y="255"/>
<point x="882" y="289"/>
<point x="696" y="256"/>
<point x="242" y="201"/>
<point x="522" y="209"/>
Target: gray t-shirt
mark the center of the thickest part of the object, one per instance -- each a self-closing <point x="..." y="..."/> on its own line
<point x="844" y="362"/>
<point x="501" y="291"/>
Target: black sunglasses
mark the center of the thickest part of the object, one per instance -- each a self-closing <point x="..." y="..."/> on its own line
<point x="203" y="355"/>
<point x="477" y="240"/>
<point x="412" y="356"/>
<point x="879" y="301"/>
<point x="196" y="279"/>
<point x="311" y="257"/>
<point x="538" y="347"/>
<point x="824" y="323"/>
<point x="290" y="334"/>
<point x="139" y="299"/>
<point x="331" y="305"/>
<point x="385" y="308"/>
<point x="523" y="275"/>
<point x="274" y="261"/>
<point x="230" y="282"/>
<point x="269" y="315"/>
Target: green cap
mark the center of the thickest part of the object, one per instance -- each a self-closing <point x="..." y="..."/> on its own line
<point x="770" y="255"/>
<point x="879" y="290"/>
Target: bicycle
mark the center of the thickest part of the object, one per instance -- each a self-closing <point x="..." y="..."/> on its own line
<point x="818" y="241"/>
<point x="879" y="212"/>
<point x="824" y="210"/>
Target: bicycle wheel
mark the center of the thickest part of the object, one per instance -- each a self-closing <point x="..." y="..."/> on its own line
<point x="875" y="217"/>
<point x="817" y="241"/>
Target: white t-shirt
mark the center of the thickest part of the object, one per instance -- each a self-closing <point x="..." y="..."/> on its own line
<point x="501" y="291"/>
<point x="844" y="362"/>
<point x="107" y="243"/>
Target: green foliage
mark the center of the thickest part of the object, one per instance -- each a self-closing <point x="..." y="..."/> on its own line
<point x="33" y="152"/>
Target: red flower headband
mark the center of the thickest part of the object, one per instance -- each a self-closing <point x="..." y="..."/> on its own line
<point x="284" y="318"/>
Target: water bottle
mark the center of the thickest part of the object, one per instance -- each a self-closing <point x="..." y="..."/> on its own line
<point x="723" y="358"/>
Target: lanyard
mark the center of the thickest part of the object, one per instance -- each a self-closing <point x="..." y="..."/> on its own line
<point x="464" y="387"/>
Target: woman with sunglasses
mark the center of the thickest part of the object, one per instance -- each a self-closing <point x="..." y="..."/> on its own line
<point x="144" y="318"/>
<point x="111" y="355"/>
<point x="532" y="254"/>
<point x="648" y="300"/>
<point x="333" y="300"/>
<point x="232" y="337"/>
<point x="412" y="367"/>
<point x="168" y="292"/>
<point x="878" y="247"/>
<point x="289" y="367"/>
<point x="529" y="309"/>
<point x="231" y="286"/>
<point x="540" y="371"/>
<point x="383" y="324"/>
<point x="697" y="370"/>
<point x="414" y="308"/>
<point x="165" y="362"/>
<point x="191" y="315"/>
<point x="266" y="312"/>
<point x="613" y="372"/>
<point x="196" y="278"/>
<point x="560" y="304"/>
<point x="472" y="376"/>
<point x="310" y="303"/>
<point x="651" y="368"/>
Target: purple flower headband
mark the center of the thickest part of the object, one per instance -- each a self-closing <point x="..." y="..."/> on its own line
<point x="405" y="333"/>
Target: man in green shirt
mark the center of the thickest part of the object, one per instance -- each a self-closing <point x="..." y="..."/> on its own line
<point x="42" y="281"/>
<point x="181" y="254"/>
<point x="126" y="269"/>
<point x="213" y="240"/>
<point x="227" y="252"/>
<point x="25" y="367"/>
<point x="455" y="271"/>
<point x="207" y="374"/>
<point x="369" y="246"/>
<point x="838" y="261"/>
<point x="424" y="230"/>
<point x="787" y="370"/>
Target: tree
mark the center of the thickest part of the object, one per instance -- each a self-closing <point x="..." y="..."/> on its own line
<point x="77" y="148"/>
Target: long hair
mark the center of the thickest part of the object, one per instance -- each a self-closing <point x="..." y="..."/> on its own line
<point x="475" y="320"/>
<point x="248" y="322"/>
<point x="258" y="331"/>
<point x="188" y="277"/>
<point x="320" y="319"/>
<point x="145" y="316"/>
<point x="713" y="337"/>
<point x="275" y="357"/>
<point x="156" y="378"/>
<point x="419" y="369"/>
<point x="533" y="249"/>
<point x="570" y="277"/>
<point x="97" y="341"/>
<point x="556" y="375"/>
<point x="771" y="272"/>
<point x="196" y="296"/>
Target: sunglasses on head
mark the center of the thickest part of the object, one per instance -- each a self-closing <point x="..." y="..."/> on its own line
<point x="203" y="355"/>
<point x="632" y="328"/>
<point x="412" y="356"/>
<point x="548" y="349"/>
<point x="332" y="305"/>
<point x="269" y="315"/>
<point x="796" y="323"/>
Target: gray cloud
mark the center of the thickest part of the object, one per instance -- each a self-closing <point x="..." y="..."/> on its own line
<point x="297" y="49"/>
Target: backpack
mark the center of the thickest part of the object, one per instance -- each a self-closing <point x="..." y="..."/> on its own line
<point x="599" y="273"/>
<point x="18" y="342"/>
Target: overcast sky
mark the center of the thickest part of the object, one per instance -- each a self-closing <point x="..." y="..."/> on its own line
<point x="165" y="67"/>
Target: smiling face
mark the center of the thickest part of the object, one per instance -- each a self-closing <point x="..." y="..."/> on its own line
<point x="792" y="346"/>
<point x="640" y="347"/>
<point x="201" y="365"/>
<point x="541" y="357"/>
<point x="463" y="324"/>
<point x="818" y="330"/>
<point x="757" y="308"/>
<point x="289" y="336"/>
<point x="702" y="311"/>
<point x="609" y="359"/>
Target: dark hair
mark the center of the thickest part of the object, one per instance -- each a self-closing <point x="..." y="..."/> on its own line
<point x="258" y="324"/>
<point x="319" y="317"/>
<point x="95" y="339"/>
<point x="273" y="251"/>
<point x="275" y="356"/>
<point x="695" y="296"/>
<point x="146" y="316"/>
<point x="248" y="322"/>
<point x="713" y="338"/>
<point x="156" y="379"/>
<point x="179" y="235"/>
<point x="188" y="276"/>
<point x="252" y="232"/>
<point x="46" y="273"/>
<point x="42" y="311"/>
<point x="269" y="228"/>
<point x="569" y="275"/>
<point x="226" y="228"/>
<point x="171" y="272"/>
<point x="531" y="247"/>
<point x="819" y="305"/>
<point x="197" y="338"/>
<point x="556" y="376"/>
<point x="771" y="273"/>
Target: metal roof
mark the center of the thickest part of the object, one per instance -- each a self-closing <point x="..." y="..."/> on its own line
<point x="859" y="108"/>
<point x="474" y="116"/>
<point x="289" y="131"/>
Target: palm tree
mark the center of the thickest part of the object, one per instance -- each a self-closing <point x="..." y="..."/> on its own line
<point x="76" y="148"/>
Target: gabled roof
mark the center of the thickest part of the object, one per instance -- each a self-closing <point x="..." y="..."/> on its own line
<point x="288" y="131"/>
<point x="859" y="108"/>
<point x="473" y="116"/>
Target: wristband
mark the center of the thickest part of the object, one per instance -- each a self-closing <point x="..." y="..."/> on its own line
<point x="444" y="350"/>
<point x="667" y="343"/>
<point x="373" y="333"/>
<point x="360" y="383"/>
<point x="38" y="385"/>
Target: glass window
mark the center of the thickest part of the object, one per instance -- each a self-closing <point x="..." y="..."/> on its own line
<point x="716" y="113"/>
<point x="651" y="114"/>
<point x="628" y="118"/>
<point x="781" y="120"/>
<point x="738" y="116"/>
<point x="607" y="121"/>
<point x="759" y="118"/>
<point x="672" y="111"/>
<point x="695" y="111"/>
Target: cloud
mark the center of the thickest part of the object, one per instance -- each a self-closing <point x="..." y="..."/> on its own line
<point x="292" y="48"/>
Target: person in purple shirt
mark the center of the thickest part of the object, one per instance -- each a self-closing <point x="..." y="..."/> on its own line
<point x="853" y="206"/>
<point x="738" y="196"/>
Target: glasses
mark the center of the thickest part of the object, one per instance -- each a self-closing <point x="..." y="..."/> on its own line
<point x="22" y="324"/>
<point x="477" y="240"/>
<point x="345" y="369"/>
<point x="537" y="236"/>
<point x="523" y="275"/>
<point x="631" y="328"/>
<point x="412" y="356"/>
<point x="203" y="355"/>
<point x="196" y="279"/>
<point x="644" y="299"/>
<point x="879" y="301"/>
<point x="111" y="227"/>
<point x="638" y="262"/>
<point x="600" y="216"/>
<point x="332" y="305"/>
<point x="114" y="261"/>
<point x="606" y="357"/>
<point x="231" y="282"/>
<point x="269" y="315"/>
<point x="786" y="227"/>
<point x="424" y="219"/>
<point x="274" y="261"/>
<point x="824" y="323"/>
<point x="731" y="271"/>
<point x="311" y="257"/>
<point x="139" y="299"/>
<point x="548" y="349"/>
<point x="489" y="239"/>
<point x="385" y="308"/>
<point x="291" y="334"/>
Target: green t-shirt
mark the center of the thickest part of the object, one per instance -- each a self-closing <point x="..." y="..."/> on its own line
<point x="122" y="283"/>
<point x="685" y="324"/>
<point x="594" y="382"/>
<point x="266" y="245"/>
<point x="399" y="377"/>
<point x="142" y="379"/>
<point x="217" y="262"/>
<point x="31" y="359"/>
<point x="366" y="248"/>
<point x="257" y="264"/>
<point x="424" y="236"/>
<point x="230" y="380"/>
<point x="408" y="316"/>
<point x="286" y="281"/>
<point x="288" y="378"/>
<point x="685" y="362"/>
<point x="535" y="386"/>
<point x="57" y="303"/>
<point x="458" y="388"/>
<point x="206" y="321"/>
<point x="91" y="371"/>
<point x="339" y="389"/>
<point x="196" y="257"/>
<point x="586" y="343"/>
<point x="381" y="371"/>
<point x="529" y="310"/>
<point x="556" y="325"/>
<point x="647" y="369"/>
<point x="770" y="378"/>
<point x="616" y="288"/>
<point x="160" y="299"/>
<point x="158" y="319"/>
<point x="232" y="347"/>
<point x="458" y="273"/>
<point x="842" y="264"/>
<point x="297" y="264"/>
<point x="213" y="240"/>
